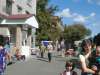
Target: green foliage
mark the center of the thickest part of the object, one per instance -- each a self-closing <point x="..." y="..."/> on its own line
<point x="75" y="32"/>
<point x="44" y="17"/>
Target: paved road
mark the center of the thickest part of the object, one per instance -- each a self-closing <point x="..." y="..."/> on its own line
<point x="37" y="66"/>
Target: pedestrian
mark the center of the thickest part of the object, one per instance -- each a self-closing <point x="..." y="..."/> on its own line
<point x="69" y="69"/>
<point x="62" y="47"/>
<point x="7" y="44"/>
<point x="58" y="49"/>
<point x="3" y="56"/>
<point x="8" y="48"/>
<point x="96" y="57"/>
<point x="50" y="50"/>
<point x="84" y="56"/>
<point x="42" y="50"/>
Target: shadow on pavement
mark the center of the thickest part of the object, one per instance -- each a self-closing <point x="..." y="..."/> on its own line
<point x="43" y="59"/>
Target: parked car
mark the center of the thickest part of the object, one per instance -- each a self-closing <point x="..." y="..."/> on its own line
<point x="33" y="51"/>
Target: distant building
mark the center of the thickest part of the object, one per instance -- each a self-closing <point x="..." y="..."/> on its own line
<point x="18" y="22"/>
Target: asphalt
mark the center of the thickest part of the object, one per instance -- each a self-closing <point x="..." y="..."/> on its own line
<point x="37" y="66"/>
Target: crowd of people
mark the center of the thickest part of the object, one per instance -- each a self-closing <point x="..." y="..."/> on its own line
<point x="6" y="58"/>
<point x="88" y="57"/>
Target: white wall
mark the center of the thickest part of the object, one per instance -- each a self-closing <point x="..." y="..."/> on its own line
<point x="24" y="6"/>
<point x="2" y="6"/>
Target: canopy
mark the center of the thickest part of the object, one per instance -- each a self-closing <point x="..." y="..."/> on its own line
<point x="30" y="21"/>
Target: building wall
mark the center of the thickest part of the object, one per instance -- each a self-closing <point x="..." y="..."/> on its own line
<point x="3" y="6"/>
<point x="12" y="8"/>
<point x="26" y="6"/>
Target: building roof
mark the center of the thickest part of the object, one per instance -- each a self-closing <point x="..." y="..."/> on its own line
<point x="19" y="19"/>
<point x="17" y="16"/>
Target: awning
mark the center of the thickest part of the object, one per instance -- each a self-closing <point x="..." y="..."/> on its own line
<point x="30" y="21"/>
<point x="4" y="31"/>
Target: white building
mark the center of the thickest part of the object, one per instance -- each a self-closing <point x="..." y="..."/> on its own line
<point x="17" y="21"/>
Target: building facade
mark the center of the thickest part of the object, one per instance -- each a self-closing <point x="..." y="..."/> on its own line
<point x="18" y="22"/>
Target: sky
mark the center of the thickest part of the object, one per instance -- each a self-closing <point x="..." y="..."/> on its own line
<point x="83" y="11"/>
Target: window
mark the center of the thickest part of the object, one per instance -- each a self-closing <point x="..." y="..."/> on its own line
<point x="27" y="12"/>
<point x="29" y="3"/>
<point x="19" y="8"/>
<point x="13" y="35"/>
<point x="8" y="6"/>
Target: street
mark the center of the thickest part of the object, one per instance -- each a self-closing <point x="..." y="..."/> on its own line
<point x="37" y="66"/>
<point x="40" y="66"/>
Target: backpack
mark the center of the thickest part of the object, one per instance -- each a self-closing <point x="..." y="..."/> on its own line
<point x="2" y="59"/>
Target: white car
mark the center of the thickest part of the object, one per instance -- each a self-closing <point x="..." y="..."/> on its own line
<point x="33" y="51"/>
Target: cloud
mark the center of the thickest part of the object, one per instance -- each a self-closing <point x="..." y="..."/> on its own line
<point x="79" y="18"/>
<point x="66" y="13"/>
<point x="92" y="14"/>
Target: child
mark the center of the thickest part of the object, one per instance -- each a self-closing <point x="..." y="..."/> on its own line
<point x="69" y="69"/>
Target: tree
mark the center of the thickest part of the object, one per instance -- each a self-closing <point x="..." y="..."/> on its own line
<point x="44" y="17"/>
<point x="75" y="32"/>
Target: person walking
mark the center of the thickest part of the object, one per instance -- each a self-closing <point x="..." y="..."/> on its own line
<point x="8" y="49"/>
<point x="50" y="50"/>
<point x="3" y="56"/>
<point x="42" y="50"/>
<point x="62" y="47"/>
